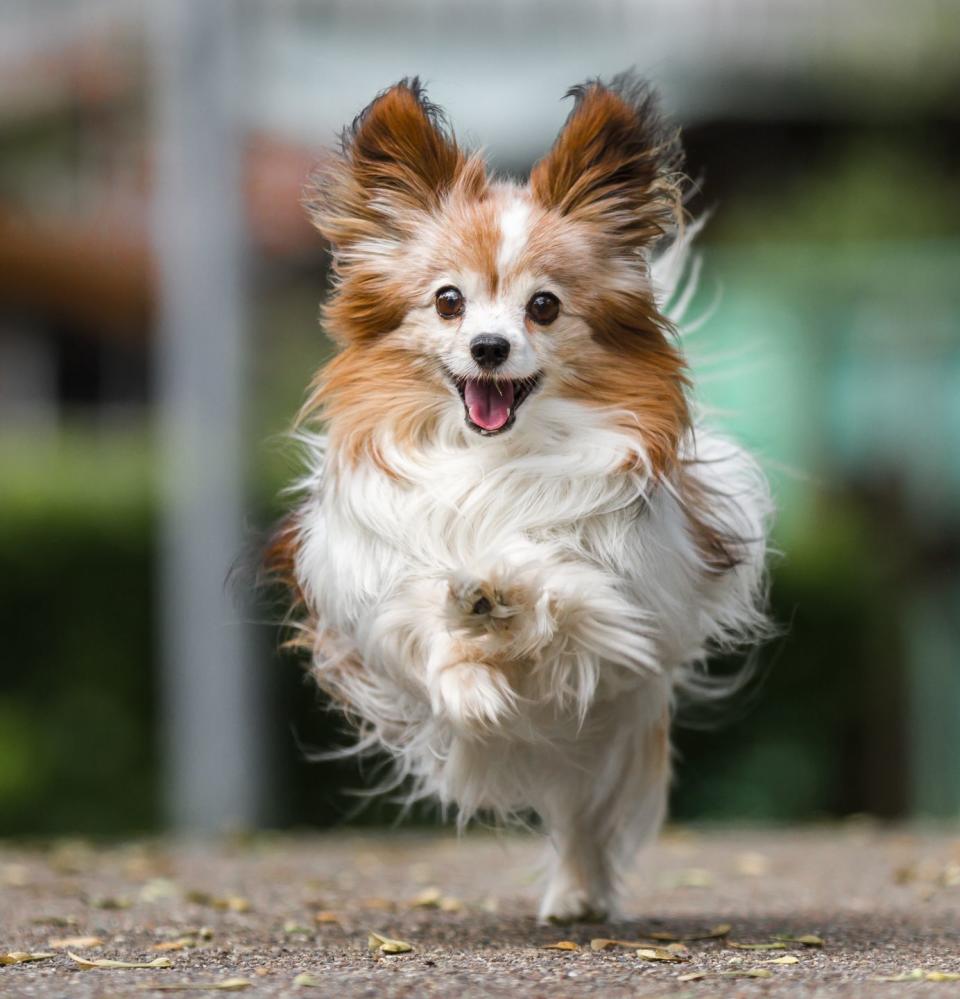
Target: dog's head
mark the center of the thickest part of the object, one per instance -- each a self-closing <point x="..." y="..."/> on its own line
<point x="459" y="300"/>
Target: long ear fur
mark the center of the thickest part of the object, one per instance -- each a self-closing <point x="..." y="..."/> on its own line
<point x="396" y="161"/>
<point x="615" y="163"/>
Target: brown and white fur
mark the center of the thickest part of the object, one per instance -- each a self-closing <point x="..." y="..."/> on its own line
<point x="509" y="604"/>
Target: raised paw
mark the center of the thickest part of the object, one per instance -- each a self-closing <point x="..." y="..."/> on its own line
<point x="472" y="696"/>
<point x="477" y="604"/>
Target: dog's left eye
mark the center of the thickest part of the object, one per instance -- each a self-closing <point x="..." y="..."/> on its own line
<point x="543" y="308"/>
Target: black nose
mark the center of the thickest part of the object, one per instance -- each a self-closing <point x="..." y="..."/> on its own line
<point x="489" y="351"/>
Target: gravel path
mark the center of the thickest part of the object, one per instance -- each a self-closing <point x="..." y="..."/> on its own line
<point x="269" y="909"/>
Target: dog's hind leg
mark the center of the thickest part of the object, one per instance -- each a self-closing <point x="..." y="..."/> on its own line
<point x="599" y="818"/>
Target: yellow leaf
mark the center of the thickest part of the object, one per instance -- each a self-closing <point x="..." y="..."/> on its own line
<point x="715" y="933"/>
<point x="562" y="945"/>
<point x="696" y="976"/>
<point x="308" y="981"/>
<point x="942" y="976"/>
<point x="58" y="943"/>
<point x="601" y="943"/>
<point x="429" y="898"/>
<point x="786" y="959"/>
<point x="292" y="928"/>
<point x="178" y="944"/>
<point x="658" y="954"/>
<point x="385" y="945"/>
<point x="103" y="962"/>
<point x="753" y="865"/>
<point x="693" y="877"/>
<point x="109" y="902"/>
<point x="808" y="939"/>
<point x="22" y="957"/>
<point x="916" y="975"/>
<point x="158" y="888"/>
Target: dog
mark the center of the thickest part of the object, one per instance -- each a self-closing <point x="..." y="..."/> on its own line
<point x="516" y="543"/>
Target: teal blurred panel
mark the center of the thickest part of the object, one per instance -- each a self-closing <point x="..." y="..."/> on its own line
<point x="840" y="365"/>
<point x="932" y="642"/>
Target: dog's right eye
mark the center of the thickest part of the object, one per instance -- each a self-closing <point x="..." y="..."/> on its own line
<point x="449" y="302"/>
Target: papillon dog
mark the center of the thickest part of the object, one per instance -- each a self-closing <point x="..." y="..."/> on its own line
<point x="516" y="543"/>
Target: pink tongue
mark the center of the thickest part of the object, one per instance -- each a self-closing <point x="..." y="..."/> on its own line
<point x="489" y="402"/>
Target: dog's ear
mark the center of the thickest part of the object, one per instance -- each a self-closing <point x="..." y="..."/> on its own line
<point x="615" y="162"/>
<point x="396" y="161"/>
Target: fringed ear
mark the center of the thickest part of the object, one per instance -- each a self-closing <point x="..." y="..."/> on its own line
<point x="396" y="161"/>
<point x="615" y="163"/>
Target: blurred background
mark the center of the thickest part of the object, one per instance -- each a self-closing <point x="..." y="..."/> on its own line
<point x="159" y="291"/>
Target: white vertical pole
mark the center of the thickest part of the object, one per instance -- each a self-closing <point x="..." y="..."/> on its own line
<point x="211" y="747"/>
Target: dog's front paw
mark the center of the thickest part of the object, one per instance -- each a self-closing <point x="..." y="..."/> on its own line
<point x="478" y="605"/>
<point x="473" y="696"/>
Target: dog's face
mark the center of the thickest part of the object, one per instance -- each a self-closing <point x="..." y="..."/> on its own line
<point x="461" y="298"/>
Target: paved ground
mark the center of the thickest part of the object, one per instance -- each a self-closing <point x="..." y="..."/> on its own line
<point x="265" y="911"/>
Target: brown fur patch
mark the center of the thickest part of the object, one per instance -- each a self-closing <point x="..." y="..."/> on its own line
<point x="398" y="164"/>
<point x="614" y="163"/>
<point x="610" y="187"/>
<point x="366" y="390"/>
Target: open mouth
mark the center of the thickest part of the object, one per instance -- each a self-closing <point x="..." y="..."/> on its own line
<point x="490" y="404"/>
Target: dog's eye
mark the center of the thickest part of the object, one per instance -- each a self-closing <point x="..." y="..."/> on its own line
<point x="449" y="302"/>
<point x="543" y="308"/>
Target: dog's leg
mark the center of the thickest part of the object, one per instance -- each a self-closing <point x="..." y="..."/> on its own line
<point x="603" y="814"/>
<point x="581" y="885"/>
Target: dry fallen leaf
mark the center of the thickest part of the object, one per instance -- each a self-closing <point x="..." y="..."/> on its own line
<point x="227" y="985"/>
<point x="158" y="888"/>
<point x="60" y="922"/>
<point x="59" y="943"/>
<point x="22" y="957"/>
<point x="659" y="954"/>
<point x="808" y="939"/>
<point x="308" y="981"/>
<point x="602" y="943"/>
<point x="786" y="959"/>
<point x="753" y="865"/>
<point x="109" y="902"/>
<point x="103" y="962"/>
<point x="919" y="975"/>
<point x="386" y="904"/>
<point x="326" y="917"/>
<point x="429" y="898"/>
<point x="697" y="976"/>
<point x="292" y="928"/>
<point x="231" y="903"/>
<point x="180" y="944"/>
<point x="562" y="945"/>
<point x="378" y="944"/>
<point x="692" y="877"/>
